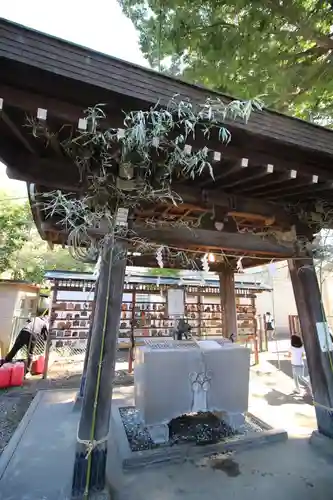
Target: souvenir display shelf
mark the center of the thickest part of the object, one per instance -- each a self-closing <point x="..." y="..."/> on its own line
<point x="70" y="317"/>
<point x="203" y="308"/>
<point x="246" y="316"/>
<point x="144" y="312"/>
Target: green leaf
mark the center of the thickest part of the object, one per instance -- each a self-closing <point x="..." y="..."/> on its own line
<point x="277" y="49"/>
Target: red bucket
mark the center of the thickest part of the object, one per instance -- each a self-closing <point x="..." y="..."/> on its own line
<point x="17" y="375"/>
<point x="37" y="367"/>
<point x="5" y="375"/>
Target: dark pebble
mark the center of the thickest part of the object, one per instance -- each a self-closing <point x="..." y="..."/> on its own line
<point x="201" y="429"/>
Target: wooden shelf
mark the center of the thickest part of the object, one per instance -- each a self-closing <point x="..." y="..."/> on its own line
<point x="151" y="316"/>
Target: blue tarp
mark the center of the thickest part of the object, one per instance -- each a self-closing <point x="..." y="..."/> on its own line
<point x="163" y="280"/>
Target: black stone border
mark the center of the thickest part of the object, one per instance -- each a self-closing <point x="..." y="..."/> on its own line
<point x="131" y="460"/>
<point x="322" y="444"/>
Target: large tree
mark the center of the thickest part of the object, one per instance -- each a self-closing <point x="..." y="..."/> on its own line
<point x="15" y="222"/>
<point x="23" y="255"/>
<point x="281" y="49"/>
<point x="35" y="257"/>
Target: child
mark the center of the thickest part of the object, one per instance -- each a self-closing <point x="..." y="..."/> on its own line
<point x="297" y="362"/>
<point x="270" y="326"/>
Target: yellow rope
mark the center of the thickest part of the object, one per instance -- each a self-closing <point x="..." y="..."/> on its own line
<point x="322" y="406"/>
<point x="91" y="445"/>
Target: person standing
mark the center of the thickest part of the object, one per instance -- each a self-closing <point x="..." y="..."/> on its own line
<point x="270" y="329"/>
<point x="182" y="329"/>
<point x="297" y="363"/>
<point x="33" y="329"/>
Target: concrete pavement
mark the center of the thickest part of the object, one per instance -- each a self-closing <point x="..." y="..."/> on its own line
<point x="40" y="458"/>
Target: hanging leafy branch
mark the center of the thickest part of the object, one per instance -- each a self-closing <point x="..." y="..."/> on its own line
<point x="121" y="168"/>
<point x="148" y="132"/>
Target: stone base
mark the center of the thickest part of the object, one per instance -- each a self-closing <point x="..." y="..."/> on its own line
<point x="102" y="495"/>
<point x="159" y="433"/>
<point x="235" y="420"/>
<point x="179" y="452"/>
<point x="78" y="402"/>
<point x="322" y="443"/>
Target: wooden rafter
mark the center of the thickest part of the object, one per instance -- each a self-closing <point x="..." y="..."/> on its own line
<point x="16" y="131"/>
<point x="68" y="61"/>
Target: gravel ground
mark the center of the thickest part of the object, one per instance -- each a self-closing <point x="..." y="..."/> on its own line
<point x="202" y="428"/>
<point x="15" y="401"/>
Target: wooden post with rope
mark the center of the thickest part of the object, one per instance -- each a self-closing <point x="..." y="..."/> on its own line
<point x="86" y="357"/>
<point x="48" y="338"/>
<point x="93" y="431"/>
<point x="312" y="317"/>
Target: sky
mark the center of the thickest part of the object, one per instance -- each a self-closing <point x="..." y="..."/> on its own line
<point x="99" y="25"/>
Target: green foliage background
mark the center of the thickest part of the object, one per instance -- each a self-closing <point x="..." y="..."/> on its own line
<point x="15" y="222"/>
<point x="23" y="254"/>
<point x="279" y="49"/>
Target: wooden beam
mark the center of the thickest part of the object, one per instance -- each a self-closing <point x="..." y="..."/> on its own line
<point x="222" y="172"/>
<point x="287" y="187"/>
<point x="261" y="186"/>
<point x="181" y="238"/>
<point x="55" y="179"/>
<point x="299" y="188"/>
<point x="184" y="238"/>
<point x="233" y="203"/>
<point x="64" y="174"/>
<point x="58" y="173"/>
<point x="253" y="174"/>
<point x="149" y="260"/>
<point x="316" y="188"/>
<point x="188" y="238"/>
<point x="30" y="101"/>
<point x="16" y="131"/>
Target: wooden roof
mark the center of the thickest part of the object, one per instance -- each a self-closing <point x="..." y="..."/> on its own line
<point x="52" y="61"/>
<point x="146" y="279"/>
<point x="272" y="161"/>
<point x="23" y="285"/>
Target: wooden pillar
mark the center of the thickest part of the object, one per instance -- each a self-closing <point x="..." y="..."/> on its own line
<point x="85" y="364"/>
<point x="92" y="441"/>
<point x="199" y="315"/>
<point x="311" y="312"/>
<point x="228" y="301"/>
<point x="131" y="351"/>
<point x="51" y="321"/>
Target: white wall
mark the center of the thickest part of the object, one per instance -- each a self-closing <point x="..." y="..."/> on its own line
<point x="8" y="299"/>
<point x="281" y="301"/>
<point x="327" y="297"/>
<point x="15" y="306"/>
